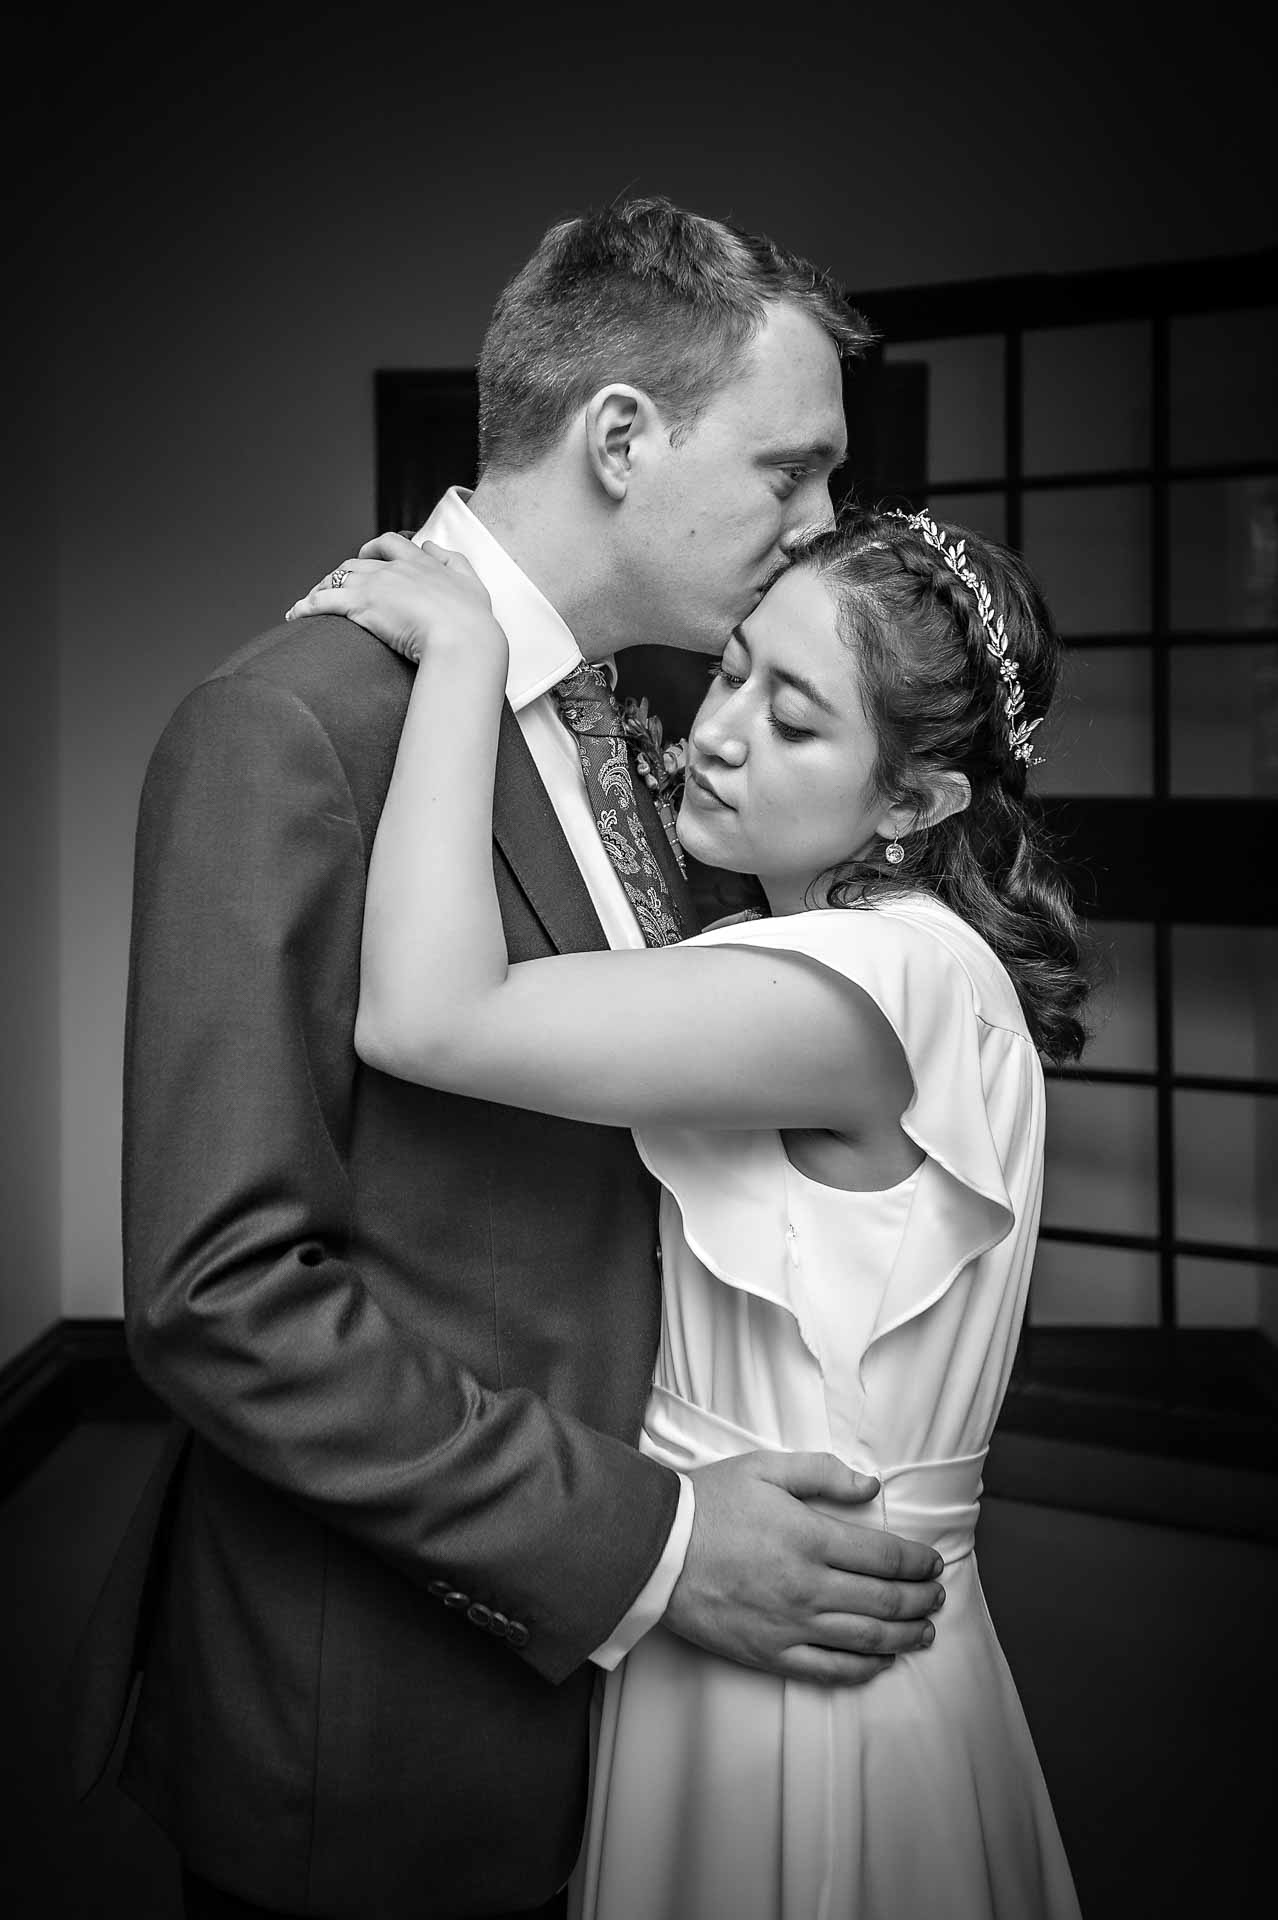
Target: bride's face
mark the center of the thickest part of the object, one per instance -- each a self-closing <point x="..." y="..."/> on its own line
<point x="781" y="754"/>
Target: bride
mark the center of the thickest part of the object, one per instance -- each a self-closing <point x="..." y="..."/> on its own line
<point x="844" y="1105"/>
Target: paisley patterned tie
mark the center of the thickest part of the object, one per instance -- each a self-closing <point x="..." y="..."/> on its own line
<point x="589" y="711"/>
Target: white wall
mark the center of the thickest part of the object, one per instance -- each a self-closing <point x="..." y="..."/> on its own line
<point x="249" y="230"/>
<point x="29" y="946"/>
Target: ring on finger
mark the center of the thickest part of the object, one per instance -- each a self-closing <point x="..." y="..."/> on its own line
<point x="337" y="576"/>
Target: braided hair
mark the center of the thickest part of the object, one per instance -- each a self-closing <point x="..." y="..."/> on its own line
<point x="936" y="702"/>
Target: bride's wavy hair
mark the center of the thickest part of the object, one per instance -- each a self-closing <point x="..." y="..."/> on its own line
<point x="936" y="703"/>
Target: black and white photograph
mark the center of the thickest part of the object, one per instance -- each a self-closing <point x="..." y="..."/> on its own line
<point x="640" y="1163"/>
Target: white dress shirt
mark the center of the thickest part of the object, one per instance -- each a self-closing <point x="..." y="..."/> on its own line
<point x="542" y="651"/>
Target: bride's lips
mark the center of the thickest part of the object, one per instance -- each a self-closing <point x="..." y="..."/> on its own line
<point x="702" y="786"/>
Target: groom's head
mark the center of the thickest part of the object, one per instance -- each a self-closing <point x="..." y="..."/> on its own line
<point x="673" y="384"/>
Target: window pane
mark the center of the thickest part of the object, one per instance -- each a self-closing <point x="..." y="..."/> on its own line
<point x="1224" y="554"/>
<point x="965" y="404"/>
<point x="1121" y="1011"/>
<point x="1098" y="737"/>
<point x="1225" y="1016"/>
<point x="1224" y="390"/>
<point x="1224" y="717"/>
<point x="1089" y="548"/>
<point x="1100" y="1158"/>
<point x="1220" y="1293"/>
<point x="1093" y="1287"/>
<point x="1086" y="398"/>
<point x="1218" y="1152"/>
<point x="983" y="512"/>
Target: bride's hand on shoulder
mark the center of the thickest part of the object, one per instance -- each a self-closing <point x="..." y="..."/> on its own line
<point x="408" y="596"/>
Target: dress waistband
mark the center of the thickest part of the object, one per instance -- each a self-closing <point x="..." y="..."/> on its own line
<point x="935" y="1501"/>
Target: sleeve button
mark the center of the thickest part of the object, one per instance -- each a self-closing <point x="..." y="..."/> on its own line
<point x="478" y="1614"/>
<point x="499" y="1624"/>
<point x="456" y="1598"/>
<point x="517" y="1634"/>
<point x="440" y="1589"/>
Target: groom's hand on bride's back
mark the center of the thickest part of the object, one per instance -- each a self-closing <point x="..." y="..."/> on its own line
<point x="774" y="1582"/>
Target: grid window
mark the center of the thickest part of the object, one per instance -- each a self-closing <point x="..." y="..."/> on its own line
<point x="1224" y="387"/>
<point x="1082" y="1286"/>
<point x="1101" y="1165"/>
<point x="1225" y="1010"/>
<point x="1122" y="1009"/>
<point x="1099" y="737"/>
<point x="1224" y="720"/>
<point x="1224" y="555"/>
<point x="1222" y="1293"/>
<point x="965" y="432"/>
<point x="1087" y="398"/>
<point x="1089" y="547"/>
<point x="1218" y="1151"/>
<point x="981" y="511"/>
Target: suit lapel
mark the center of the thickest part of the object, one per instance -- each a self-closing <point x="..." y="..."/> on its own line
<point x="527" y="829"/>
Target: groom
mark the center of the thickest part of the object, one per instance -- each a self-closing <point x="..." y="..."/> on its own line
<point x="408" y="1336"/>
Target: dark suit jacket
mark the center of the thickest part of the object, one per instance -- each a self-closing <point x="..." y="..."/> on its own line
<point x="410" y="1336"/>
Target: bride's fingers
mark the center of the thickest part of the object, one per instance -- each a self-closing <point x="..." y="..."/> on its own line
<point x="387" y="546"/>
<point x="332" y="594"/>
<point x="456" y="563"/>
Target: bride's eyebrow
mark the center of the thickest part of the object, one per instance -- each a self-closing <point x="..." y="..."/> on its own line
<point x="786" y="677"/>
<point x="783" y="676"/>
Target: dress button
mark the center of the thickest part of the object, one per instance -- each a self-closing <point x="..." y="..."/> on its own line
<point x="479" y="1615"/>
<point x="517" y="1634"/>
<point x="456" y="1598"/>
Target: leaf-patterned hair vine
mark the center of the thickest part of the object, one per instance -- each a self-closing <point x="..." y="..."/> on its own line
<point x="996" y="642"/>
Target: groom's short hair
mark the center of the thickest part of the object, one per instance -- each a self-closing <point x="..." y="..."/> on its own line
<point x="642" y="292"/>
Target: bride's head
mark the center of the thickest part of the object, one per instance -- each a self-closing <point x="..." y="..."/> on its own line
<point x="871" y="726"/>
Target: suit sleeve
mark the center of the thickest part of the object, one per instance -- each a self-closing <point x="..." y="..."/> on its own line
<point x="244" y="1307"/>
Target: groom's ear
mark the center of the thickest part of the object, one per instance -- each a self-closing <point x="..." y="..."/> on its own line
<point x="617" y="419"/>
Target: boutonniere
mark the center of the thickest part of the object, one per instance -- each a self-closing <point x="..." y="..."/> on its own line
<point x="660" y="766"/>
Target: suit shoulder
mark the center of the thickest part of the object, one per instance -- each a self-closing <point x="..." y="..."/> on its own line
<point x="345" y="677"/>
<point x="320" y="674"/>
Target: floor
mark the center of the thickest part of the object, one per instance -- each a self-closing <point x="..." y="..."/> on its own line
<point x="1144" y="1655"/>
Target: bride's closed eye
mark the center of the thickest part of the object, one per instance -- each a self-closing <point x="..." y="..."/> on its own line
<point x="784" y="729"/>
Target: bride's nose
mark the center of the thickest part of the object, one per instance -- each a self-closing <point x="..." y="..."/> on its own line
<point x="718" y="736"/>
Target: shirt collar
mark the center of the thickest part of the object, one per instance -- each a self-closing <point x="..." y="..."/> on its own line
<point x="542" y="649"/>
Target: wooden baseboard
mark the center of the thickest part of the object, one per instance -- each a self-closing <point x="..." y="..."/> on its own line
<point x="77" y="1370"/>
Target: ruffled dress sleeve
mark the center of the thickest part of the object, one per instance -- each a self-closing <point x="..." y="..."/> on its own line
<point x="976" y="1113"/>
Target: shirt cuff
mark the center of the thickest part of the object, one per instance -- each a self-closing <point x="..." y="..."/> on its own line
<point x="655" y="1597"/>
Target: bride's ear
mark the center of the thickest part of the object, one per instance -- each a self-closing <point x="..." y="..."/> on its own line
<point x="948" y="792"/>
<point x="618" y="419"/>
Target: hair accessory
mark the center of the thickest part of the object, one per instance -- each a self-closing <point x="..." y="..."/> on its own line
<point x="894" y="852"/>
<point x="996" y="644"/>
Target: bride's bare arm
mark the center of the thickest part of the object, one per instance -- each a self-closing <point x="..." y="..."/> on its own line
<point x="709" y="1036"/>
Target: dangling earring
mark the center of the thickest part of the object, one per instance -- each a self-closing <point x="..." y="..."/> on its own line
<point x="894" y="852"/>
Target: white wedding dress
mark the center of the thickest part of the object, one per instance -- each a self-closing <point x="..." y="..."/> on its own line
<point x="882" y="1327"/>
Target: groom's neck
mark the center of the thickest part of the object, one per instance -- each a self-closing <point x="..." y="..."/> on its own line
<point x="551" y="535"/>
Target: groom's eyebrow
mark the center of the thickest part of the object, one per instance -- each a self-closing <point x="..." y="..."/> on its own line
<point x="813" y="453"/>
